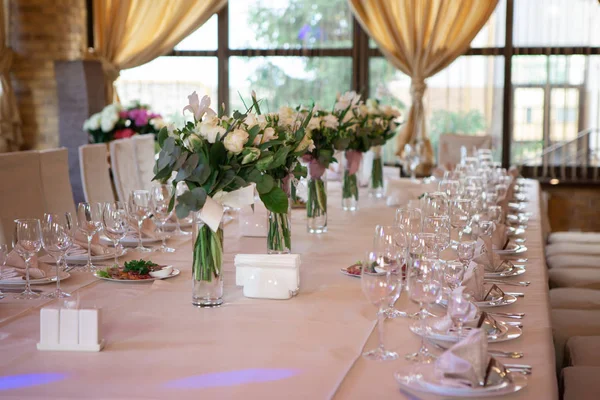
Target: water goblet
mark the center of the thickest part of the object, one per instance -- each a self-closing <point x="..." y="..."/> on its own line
<point x="459" y="307"/>
<point x="89" y="222"/>
<point x="440" y="227"/>
<point x="460" y="216"/>
<point x="466" y="251"/>
<point x="378" y="283"/>
<point x="57" y="240"/>
<point x="139" y="209"/>
<point x="116" y="224"/>
<point x="427" y="244"/>
<point x="28" y="241"/>
<point x="161" y="197"/>
<point x="3" y="257"/>
<point x="454" y="272"/>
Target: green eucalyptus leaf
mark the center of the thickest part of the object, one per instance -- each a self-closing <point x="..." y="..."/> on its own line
<point x="169" y="145"/>
<point x="162" y="135"/>
<point x="279" y="158"/>
<point x="264" y="161"/>
<point x="275" y="200"/>
<point x="180" y="161"/>
<point x="265" y="184"/>
<point x="218" y="154"/>
<point x="200" y="174"/>
<point x="182" y="210"/>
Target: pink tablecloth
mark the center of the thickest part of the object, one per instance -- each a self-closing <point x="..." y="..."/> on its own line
<point x="159" y="346"/>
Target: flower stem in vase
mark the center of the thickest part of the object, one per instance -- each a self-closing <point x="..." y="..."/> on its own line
<point x="279" y="236"/>
<point x="316" y="204"/>
<point x="350" y="181"/>
<point x="206" y="267"/>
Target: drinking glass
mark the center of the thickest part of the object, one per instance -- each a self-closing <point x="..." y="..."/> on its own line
<point x="424" y="286"/>
<point x="466" y="251"/>
<point x="179" y="190"/>
<point x="3" y="257"/>
<point x="436" y="205"/>
<point x="454" y="272"/>
<point x="378" y="283"/>
<point x="89" y="222"/>
<point x="495" y="214"/>
<point x="460" y="215"/>
<point x="459" y="305"/>
<point x="57" y="240"/>
<point x="426" y="244"/>
<point x="450" y="187"/>
<point x="116" y="224"/>
<point x="161" y="197"/>
<point x="28" y="241"/>
<point x="139" y="209"/>
<point x="440" y="227"/>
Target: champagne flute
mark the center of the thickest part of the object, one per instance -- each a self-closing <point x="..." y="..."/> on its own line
<point x="161" y="197"/>
<point x="115" y="224"/>
<point x="140" y="210"/>
<point x="180" y="189"/>
<point x="28" y="242"/>
<point x="3" y="257"/>
<point x="57" y="240"/>
<point x="378" y="283"/>
<point x="89" y="221"/>
<point x="459" y="307"/>
<point x="424" y="286"/>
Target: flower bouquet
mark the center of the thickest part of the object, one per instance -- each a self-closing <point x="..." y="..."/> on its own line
<point x="115" y="122"/>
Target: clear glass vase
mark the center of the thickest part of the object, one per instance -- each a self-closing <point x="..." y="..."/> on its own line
<point x="376" y="186"/>
<point x="279" y="236"/>
<point x="207" y="276"/>
<point x="352" y="162"/>
<point x="316" y="203"/>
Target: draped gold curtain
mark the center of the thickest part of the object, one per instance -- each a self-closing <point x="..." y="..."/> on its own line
<point x="420" y="38"/>
<point x="129" y="33"/>
<point x="10" y="122"/>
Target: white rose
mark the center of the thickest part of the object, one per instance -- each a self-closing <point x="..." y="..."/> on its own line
<point x="108" y="121"/>
<point x="287" y="116"/>
<point x="251" y="120"/>
<point x="158" y="123"/>
<point x="314" y="123"/>
<point x="93" y="122"/>
<point x="330" y="121"/>
<point x="262" y="121"/>
<point x="346" y="100"/>
<point x="269" y="135"/>
<point x="235" y="141"/>
<point x="305" y="143"/>
<point x="210" y="129"/>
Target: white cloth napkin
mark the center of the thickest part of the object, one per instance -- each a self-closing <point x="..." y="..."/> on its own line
<point x="465" y="363"/>
<point x="444" y="323"/>
<point x="15" y="268"/>
<point x="490" y="260"/>
<point x="473" y="281"/>
<point x="499" y="237"/>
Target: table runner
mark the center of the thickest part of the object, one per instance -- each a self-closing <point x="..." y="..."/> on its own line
<point x="160" y="346"/>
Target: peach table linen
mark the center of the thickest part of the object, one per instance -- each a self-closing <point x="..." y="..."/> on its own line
<point x="305" y="348"/>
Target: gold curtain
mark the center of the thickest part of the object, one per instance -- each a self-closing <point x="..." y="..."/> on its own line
<point x="420" y="38"/>
<point x="129" y="33"/>
<point x="10" y="122"/>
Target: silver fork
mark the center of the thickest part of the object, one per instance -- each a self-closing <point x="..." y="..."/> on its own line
<point x="501" y="282"/>
<point x="508" y="315"/>
<point x="495" y="353"/>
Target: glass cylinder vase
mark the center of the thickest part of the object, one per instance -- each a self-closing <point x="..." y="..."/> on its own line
<point x="279" y="236"/>
<point x="352" y="162"/>
<point x="207" y="276"/>
<point x="316" y="203"/>
<point x="376" y="186"/>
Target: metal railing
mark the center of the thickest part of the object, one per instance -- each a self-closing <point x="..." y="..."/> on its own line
<point x="575" y="160"/>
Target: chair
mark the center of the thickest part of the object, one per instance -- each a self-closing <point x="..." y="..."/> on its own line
<point x="95" y="175"/>
<point x="581" y="383"/>
<point x="450" y="144"/>
<point x="144" y="155"/>
<point x="56" y="185"/>
<point x="124" y="167"/>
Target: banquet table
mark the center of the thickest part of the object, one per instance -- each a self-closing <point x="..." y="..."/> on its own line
<point x="309" y="347"/>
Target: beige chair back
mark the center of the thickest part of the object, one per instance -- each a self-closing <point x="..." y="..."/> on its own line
<point x="124" y="167"/>
<point x="144" y="155"/>
<point x="54" y="172"/>
<point x="21" y="190"/>
<point x="450" y="144"/>
<point x="95" y="173"/>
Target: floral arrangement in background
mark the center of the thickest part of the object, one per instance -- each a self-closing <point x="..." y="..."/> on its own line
<point x="118" y="122"/>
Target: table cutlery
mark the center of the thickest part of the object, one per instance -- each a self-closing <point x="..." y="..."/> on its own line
<point x="508" y="315"/>
<point x="494" y="353"/>
<point x="17" y="290"/>
<point x="525" y="283"/>
<point x="515" y="294"/>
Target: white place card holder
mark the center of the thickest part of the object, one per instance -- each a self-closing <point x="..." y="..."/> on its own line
<point x="268" y="276"/>
<point x="69" y="329"/>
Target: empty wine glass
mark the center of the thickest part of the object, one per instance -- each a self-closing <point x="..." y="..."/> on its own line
<point x="427" y="244"/>
<point x="161" y="197"/>
<point x="3" y="257"/>
<point x="28" y="241"/>
<point x="495" y="214"/>
<point x="459" y="307"/>
<point x="179" y="190"/>
<point x="435" y="205"/>
<point x="454" y="272"/>
<point x="450" y="187"/>
<point x="440" y="228"/>
<point x="139" y="209"/>
<point x="57" y="240"/>
<point x="424" y="286"/>
<point x="460" y="215"/>
<point x="89" y="222"/>
<point x="116" y="224"/>
<point x="466" y="251"/>
<point x="378" y="282"/>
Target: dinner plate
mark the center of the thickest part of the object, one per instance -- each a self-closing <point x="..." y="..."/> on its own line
<point x="512" y="231"/>
<point x="507" y="332"/>
<point x="173" y="274"/>
<point x="345" y="272"/>
<point x="513" y="271"/>
<point x="512" y="248"/>
<point x="426" y="381"/>
<point x="41" y="281"/>
<point x="505" y="300"/>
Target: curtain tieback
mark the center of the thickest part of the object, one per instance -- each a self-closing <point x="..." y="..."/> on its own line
<point x="110" y="70"/>
<point x="417" y="88"/>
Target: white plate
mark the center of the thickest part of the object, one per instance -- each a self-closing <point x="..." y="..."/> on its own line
<point x="517" y="270"/>
<point x="173" y="274"/>
<point x="345" y="272"/>
<point x="42" y="281"/>
<point x="514" y="231"/>
<point x="508" y="332"/>
<point x="512" y="248"/>
<point x="506" y="300"/>
<point x="426" y="382"/>
<point x="172" y="225"/>
<point x="130" y="241"/>
<point x="80" y="258"/>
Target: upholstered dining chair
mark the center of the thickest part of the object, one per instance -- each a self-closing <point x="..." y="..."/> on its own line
<point x="144" y="155"/>
<point x="450" y="144"/>
<point x="124" y="167"/>
<point x="56" y="184"/>
<point x="95" y="175"/>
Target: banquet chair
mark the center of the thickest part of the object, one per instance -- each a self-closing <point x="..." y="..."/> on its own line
<point x="56" y="184"/>
<point x="581" y="383"/>
<point x="569" y="323"/>
<point x="124" y="168"/>
<point x="569" y="298"/>
<point x="21" y="191"/>
<point x="587" y="278"/>
<point x="450" y="144"/>
<point x="144" y="155"/>
<point x="583" y="351"/>
<point x="95" y="175"/>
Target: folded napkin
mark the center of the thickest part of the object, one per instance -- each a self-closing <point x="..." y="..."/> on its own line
<point x="149" y="229"/>
<point x="473" y="281"/>
<point x="499" y="237"/>
<point x="490" y="260"/>
<point x="80" y="243"/>
<point x="444" y="324"/>
<point x="15" y="268"/>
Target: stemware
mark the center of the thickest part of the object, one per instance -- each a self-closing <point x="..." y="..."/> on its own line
<point x="435" y="204"/>
<point x="450" y="187"/>
<point x="460" y="216"/>
<point x="28" y="241"/>
<point x="378" y="281"/>
<point x="139" y="209"/>
<point x="466" y="251"/>
<point x="424" y="286"/>
<point x="116" y="224"/>
<point x="3" y="257"/>
<point x="426" y="244"/>
<point x="180" y="189"/>
<point x="459" y="305"/>
<point x="89" y="222"/>
<point x="57" y="240"/>
<point x="495" y="214"/>
<point x="161" y="197"/>
<point x="440" y="227"/>
<point x="454" y="272"/>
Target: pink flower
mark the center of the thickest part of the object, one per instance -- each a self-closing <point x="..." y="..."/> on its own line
<point x="124" y="133"/>
<point x="139" y="116"/>
<point x="123" y="114"/>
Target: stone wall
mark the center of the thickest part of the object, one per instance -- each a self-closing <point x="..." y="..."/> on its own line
<point x="41" y="32"/>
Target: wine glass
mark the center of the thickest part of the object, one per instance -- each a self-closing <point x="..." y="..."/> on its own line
<point x="424" y="286"/>
<point x="495" y="214"/>
<point x="89" y="222"/>
<point x="459" y="215"/>
<point x="161" y="197"/>
<point x="459" y="307"/>
<point x="28" y="242"/>
<point x="427" y="244"/>
<point x="436" y="205"/>
<point x="449" y="186"/>
<point x="440" y="228"/>
<point x="116" y="224"/>
<point x="466" y="251"/>
<point x="454" y="272"/>
<point x="3" y="257"/>
<point x="139" y="209"/>
<point x="378" y="283"/>
<point x="180" y="189"/>
<point x="57" y="240"/>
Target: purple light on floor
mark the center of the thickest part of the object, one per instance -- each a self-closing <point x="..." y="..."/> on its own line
<point x="232" y="378"/>
<point x="28" y="380"/>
